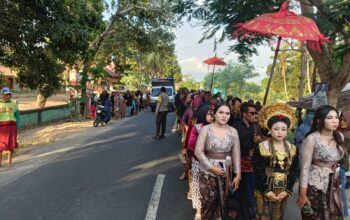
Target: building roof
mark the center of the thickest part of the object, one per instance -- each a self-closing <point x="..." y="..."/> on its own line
<point x="111" y="73"/>
<point x="7" y="71"/>
<point x="111" y="70"/>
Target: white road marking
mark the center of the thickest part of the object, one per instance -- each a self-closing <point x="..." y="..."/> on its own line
<point x="155" y="198"/>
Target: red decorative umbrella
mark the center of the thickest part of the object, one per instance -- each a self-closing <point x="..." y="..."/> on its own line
<point x="214" y="61"/>
<point x="283" y="23"/>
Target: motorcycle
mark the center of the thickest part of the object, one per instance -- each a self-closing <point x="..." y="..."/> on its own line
<point x="100" y="115"/>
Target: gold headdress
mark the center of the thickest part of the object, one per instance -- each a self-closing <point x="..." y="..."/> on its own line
<point x="276" y="109"/>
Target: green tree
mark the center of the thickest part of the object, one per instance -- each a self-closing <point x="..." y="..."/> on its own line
<point x="140" y="16"/>
<point x="189" y="82"/>
<point x="2" y="80"/>
<point x="273" y="95"/>
<point x="232" y="80"/>
<point x="39" y="37"/>
<point x="155" y="65"/>
<point x="332" y="17"/>
<point x="287" y="75"/>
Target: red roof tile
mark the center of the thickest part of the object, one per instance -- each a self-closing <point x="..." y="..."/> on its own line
<point x="7" y="71"/>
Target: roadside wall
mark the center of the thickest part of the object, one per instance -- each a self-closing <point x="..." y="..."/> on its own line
<point x="48" y="114"/>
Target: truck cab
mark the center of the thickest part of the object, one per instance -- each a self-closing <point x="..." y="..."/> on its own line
<point x="169" y="84"/>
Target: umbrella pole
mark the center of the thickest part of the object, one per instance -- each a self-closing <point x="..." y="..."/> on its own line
<point x="212" y="79"/>
<point x="272" y="69"/>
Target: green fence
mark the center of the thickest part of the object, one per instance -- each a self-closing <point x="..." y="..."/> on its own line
<point x="49" y="114"/>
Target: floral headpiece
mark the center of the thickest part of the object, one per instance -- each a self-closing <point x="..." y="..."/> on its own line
<point x="280" y="110"/>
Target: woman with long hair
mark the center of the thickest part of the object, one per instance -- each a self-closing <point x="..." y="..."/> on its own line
<point x="321" y="152"/>
<point x="217" y="150"/>
<point x="186" y="123"/>
<point x="275" y="163"/>
<point x="204" y="117"/>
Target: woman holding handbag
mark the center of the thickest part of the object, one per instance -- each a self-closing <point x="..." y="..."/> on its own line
<point x="321" y="152"/>
<point x="217" y="144"/>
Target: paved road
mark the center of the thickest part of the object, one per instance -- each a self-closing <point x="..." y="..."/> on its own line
<point x="106" y="173"/>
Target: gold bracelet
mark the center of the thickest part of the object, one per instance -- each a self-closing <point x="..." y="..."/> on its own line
<point x="268" y="194"/>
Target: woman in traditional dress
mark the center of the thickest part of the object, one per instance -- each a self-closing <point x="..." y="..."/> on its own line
<point x="9" y="122"/>
<point x="117" y="105"/>
<point x="275" y="163"/>
<point x="187" y="123"/>
<point x="204" y="117"/>
<point x="321" y="152"/>
<point x="217" y="149"/>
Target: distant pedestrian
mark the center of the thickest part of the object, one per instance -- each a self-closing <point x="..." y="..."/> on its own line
<point x="9" y="122"/>
<point x="108" y="108"/>
<point x="104" y="96"/>
<point x="198" y="100"/>
<point x="161" y="112"/>
<point x="93" y="100"/>
<point x="128" y="103"/>
<point x="303" y="129"/>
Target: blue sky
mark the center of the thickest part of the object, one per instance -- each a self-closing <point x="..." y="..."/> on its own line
<point x="191" y="54"/>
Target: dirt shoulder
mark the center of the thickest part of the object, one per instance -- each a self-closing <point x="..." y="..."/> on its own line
<point x="34" y="137"/>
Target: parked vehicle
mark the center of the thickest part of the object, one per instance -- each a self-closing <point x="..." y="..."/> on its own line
<point x="169" y="84"/>
<point x="100" y="115"/>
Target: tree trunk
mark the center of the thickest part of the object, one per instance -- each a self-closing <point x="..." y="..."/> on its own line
<point x="285" y="87"/>
<point x="314" y="73"/>
<point x="336" y="77"/>
<point x="302" y="71"/>
<point x="40" y="101"/>
<point x="308" y="76"/>
<point x="284" y="70"/>
<point x="95" y="46"/>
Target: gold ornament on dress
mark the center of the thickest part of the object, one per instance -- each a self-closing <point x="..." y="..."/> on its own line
<point x="276" y="109"/>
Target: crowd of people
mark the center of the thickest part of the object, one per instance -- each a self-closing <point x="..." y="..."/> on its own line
<point x="240" y="165"/>
<point x="236" y="156"/>
<point x="119" y="104"/>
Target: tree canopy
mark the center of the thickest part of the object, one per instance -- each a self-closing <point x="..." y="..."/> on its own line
<point x="39" y="37"/>
<point x="331" y="16"/>
<point x="233" y="79"/>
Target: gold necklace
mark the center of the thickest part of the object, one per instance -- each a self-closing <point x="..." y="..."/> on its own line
<point x="279" y="157"/>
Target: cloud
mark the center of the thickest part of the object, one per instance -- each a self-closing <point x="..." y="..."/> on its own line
<point x="196" y="68"/>
<point x="191" y="54"/>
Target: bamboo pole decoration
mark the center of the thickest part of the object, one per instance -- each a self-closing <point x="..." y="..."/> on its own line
<point x="272" y="69"/>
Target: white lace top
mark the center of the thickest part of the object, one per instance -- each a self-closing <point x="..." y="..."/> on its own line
<point x="314" y="149"/>
<point x="208" y="142"/>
